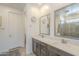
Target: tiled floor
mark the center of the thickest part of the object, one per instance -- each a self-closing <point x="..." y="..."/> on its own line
<point x="19" y="51"/>
<point x="32" y="54"/>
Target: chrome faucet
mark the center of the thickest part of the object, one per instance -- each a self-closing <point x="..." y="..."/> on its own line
<point x="42" y="35"/>
<point x="63" y="41"/>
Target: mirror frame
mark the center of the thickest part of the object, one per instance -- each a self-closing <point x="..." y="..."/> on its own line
<point x="55" y="23"/>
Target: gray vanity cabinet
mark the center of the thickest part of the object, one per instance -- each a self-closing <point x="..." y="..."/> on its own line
<point x="43" y="49"/>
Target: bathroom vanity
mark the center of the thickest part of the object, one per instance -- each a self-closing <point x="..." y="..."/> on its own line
<point x="41" y="48"/>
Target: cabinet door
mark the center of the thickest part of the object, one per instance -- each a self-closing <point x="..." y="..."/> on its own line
<point x="44" y="51"/>
<point x="52" y="51"/>
<point x="38" y="49"/>
<point x="34" y="46"/>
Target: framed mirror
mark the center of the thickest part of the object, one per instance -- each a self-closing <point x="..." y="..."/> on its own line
<point x="44" y="26"/>
<point x="67" y="21"/>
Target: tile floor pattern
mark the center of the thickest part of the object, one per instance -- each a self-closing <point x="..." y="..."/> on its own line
<point x="18" y="51"/>
<point x="32" y="54"/>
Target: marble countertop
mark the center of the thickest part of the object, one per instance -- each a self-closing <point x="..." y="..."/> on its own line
<point x="67" y="47"/>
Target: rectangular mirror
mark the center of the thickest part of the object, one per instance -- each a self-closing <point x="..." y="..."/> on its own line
<point x="67" y="21"/>
<point x="45" y="25"/>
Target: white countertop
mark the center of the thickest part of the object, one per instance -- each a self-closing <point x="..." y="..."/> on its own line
<point x="67" y="47"/>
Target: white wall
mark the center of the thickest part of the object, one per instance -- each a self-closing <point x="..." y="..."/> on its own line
<point x="7" y="42"/>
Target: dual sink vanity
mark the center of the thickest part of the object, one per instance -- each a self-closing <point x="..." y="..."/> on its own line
<point x="45" y="46"/>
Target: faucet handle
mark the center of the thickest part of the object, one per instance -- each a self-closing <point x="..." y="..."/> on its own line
<point x="63" y="41"/>
<point x="41" y="35"/>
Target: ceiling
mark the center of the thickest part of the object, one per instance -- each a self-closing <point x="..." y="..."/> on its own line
<point x="19" y="6"/>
